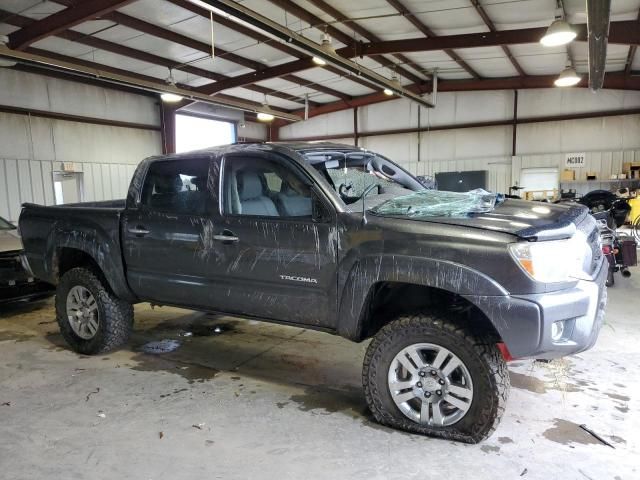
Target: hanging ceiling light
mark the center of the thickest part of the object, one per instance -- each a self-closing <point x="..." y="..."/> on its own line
<point x="558" y="33"/>
<point x="6" y="62"/>
<point x="265" y="116"/>
<point x="325" y="44"/>
<point x="170" y="97"/>
<point x="396" y="83"/>
<point x="568" y="78"/>
<point x="167" y="96"/>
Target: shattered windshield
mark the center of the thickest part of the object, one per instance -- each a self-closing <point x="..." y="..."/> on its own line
<point x="394" y="191"/>
<point x="434" y="203"/>
<point x="352" y="173"/>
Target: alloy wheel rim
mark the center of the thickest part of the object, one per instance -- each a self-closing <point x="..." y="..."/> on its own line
<point x="430" y="385"/>
<point x="82" y="312"/>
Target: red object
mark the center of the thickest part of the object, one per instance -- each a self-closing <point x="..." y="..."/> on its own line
<point x="606" y="249"/>
<point x="505" y="352"/>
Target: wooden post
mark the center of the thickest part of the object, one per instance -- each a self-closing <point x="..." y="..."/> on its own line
<point x="514" y="139"/>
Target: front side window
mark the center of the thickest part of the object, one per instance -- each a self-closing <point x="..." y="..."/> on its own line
<point x="262" y="187"/>
<point x="177" y="186"/>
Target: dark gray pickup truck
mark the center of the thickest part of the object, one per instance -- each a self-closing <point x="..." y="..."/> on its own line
<point x="336" y="238"/>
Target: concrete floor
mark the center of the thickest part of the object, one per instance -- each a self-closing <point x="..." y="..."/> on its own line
<point x="254" y="400"/>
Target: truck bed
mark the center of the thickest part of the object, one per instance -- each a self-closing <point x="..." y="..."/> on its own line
<point x="93" y="228"/>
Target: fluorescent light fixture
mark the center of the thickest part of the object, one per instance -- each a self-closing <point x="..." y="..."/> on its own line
<point x="265" y="117"/>
<point x="558" y="33"/>
<point x="6" y="62"/>
<point x="170" y="97"/>
<point x="319" y="61"/>
<point x="568" y="78"/>
<point x="395" y="81"/>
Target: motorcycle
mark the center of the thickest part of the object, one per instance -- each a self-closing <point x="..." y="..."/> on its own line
<point x="606" y="201"/>
<point x="619" y="249"/>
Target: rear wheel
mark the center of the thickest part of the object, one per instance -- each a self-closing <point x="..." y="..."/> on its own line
<point x="427" y="374"/>
<point x="92" y="319"/>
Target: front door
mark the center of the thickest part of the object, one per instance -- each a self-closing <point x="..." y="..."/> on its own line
<point x="276" y="241"/>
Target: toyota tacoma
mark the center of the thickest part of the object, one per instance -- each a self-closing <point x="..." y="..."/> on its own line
<point x="447" y="286"/>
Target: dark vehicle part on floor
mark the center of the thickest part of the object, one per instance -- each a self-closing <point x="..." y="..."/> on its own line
<point x="619" y="249"/>
<point x="17" y="283"/>
<point x="320" y="235"/>
<point x="606" y="201"/>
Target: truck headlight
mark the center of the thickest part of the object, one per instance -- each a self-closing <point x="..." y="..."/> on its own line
<point x="551" y="261"/>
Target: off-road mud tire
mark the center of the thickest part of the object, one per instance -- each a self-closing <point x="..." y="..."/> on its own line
<point x="477" y="350"/>
<point x="115" y="315"/>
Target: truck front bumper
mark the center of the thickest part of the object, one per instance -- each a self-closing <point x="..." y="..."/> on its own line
<point x="526" y="322"/>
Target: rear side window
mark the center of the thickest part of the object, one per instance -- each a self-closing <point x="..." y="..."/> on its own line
<point x="177" y="186"/>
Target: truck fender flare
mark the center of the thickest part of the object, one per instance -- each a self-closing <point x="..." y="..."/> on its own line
<point x="98" y="245"/>
<point x="357" y="282"/>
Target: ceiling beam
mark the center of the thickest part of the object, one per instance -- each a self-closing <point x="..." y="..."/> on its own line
<point x="622" y="32"/>
<point x="248" y="32"/>
<point x="612" y="81"/>
<point x="342" y="37"/>
<point x="243" y="15"/>
<point x="619" y="30"/>
<point x="95" y="42"/>
<point x="126" y="79"/>
<point x="363" y="32"/>
<point x="171" y="36"/>
<point x="406" y="13"/>
<point x="61" y="21"/>
<point x="492" y="28"/>
<point x="598" y="19"/>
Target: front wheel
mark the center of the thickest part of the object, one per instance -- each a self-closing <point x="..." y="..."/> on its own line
<point x="92" y="319"/>
<point x="430" y="375"/>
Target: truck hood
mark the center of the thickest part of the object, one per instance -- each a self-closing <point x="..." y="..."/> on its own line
<point x="9" y="241"/>
<point x="525" y="219"/>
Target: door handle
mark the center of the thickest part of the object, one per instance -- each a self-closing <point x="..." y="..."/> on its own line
<point x="139" y="231"/>
<point x="226" y="237"/>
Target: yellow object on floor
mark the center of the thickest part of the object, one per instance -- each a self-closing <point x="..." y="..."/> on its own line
<point x="635" y="209"/>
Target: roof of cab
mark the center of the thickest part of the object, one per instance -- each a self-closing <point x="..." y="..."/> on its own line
<point x="298" y="147"/>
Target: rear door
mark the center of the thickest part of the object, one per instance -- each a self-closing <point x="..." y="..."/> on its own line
<point x="162" y="235"/>
<point x="276" y="242"/>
